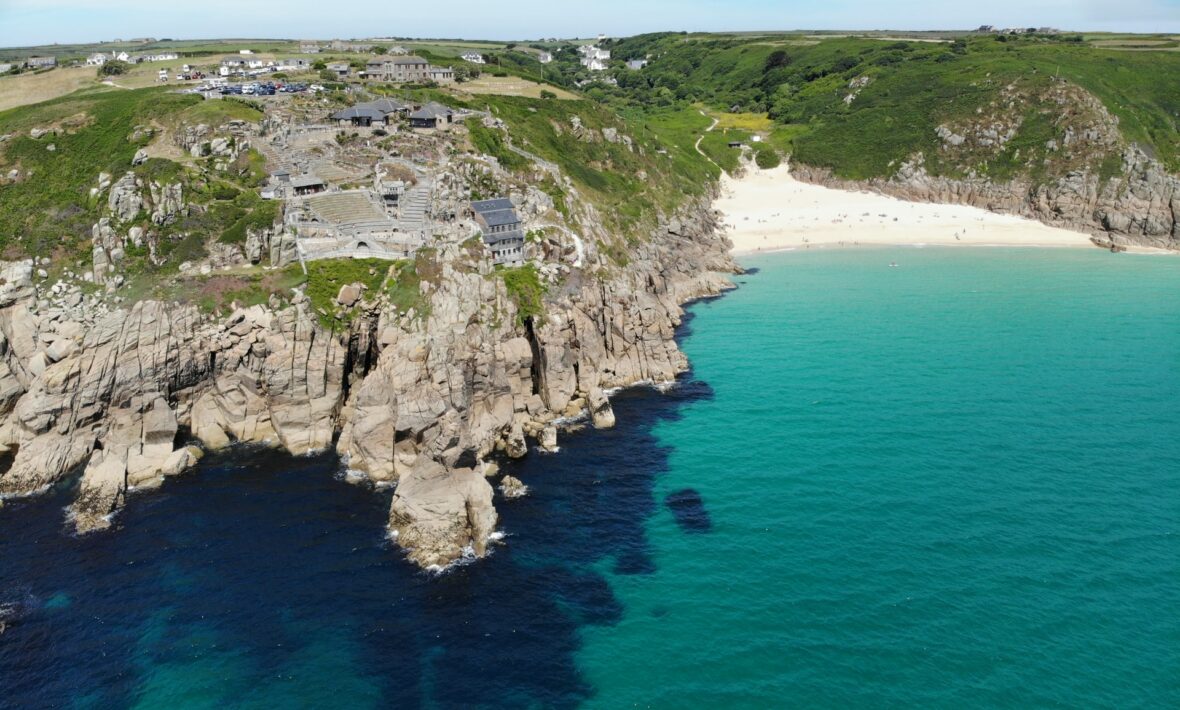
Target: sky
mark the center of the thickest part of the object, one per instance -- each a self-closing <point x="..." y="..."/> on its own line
<point x="34" y="22"/>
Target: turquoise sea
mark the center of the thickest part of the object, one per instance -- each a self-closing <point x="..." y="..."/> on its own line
<point x="950" y="483"/>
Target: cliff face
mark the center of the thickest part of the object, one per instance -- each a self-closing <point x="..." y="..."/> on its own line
<point x="1082" y="175"/>
<point x="417" y="399"/>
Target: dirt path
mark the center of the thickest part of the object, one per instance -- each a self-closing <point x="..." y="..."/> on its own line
<point x="698" y="143"/>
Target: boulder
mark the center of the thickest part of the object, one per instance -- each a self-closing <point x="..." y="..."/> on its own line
<point x="438" y="512"/>
<point x="512" y="488"/>
<point x="601" y="413"/>
<point x="349" y="294"/>
<point x="548" y="438"/>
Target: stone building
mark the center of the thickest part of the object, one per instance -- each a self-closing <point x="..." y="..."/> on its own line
<point x="501" y="229"/>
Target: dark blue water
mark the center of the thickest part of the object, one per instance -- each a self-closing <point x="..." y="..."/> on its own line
<point x="265" y="580"/>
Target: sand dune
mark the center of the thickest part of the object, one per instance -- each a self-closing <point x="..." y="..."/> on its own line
<point x="769" y="210"/>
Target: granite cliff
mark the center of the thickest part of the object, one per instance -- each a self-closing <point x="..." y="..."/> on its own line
<point x="1081" y="173"/>
<point x="131" y="395"/>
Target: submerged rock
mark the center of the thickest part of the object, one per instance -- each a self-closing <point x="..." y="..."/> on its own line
<point x="689" y="511"/>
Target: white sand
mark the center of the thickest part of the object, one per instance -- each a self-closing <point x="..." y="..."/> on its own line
<point x="769" y="210"/>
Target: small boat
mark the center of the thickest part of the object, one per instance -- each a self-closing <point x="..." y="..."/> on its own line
<point x="893" y="264"/>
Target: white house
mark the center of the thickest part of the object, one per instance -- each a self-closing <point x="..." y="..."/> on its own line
<point x="636" y="64"/>
<point x="245" y="51"/>
<point x="97" y="59"/>
<point x="121" y="57"/>
<point x="589" y="51"/>
<point x="473" y="57"/>
<point x="594" y="64"/>
<point x="545" y="57"/>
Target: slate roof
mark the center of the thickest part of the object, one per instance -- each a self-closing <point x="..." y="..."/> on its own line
<point x="358" y="112"/>
<point x="386" y="106"/>
<point x="497" y="203"/>
<point x="495" y="212"/>
<point x="499" y="218"/>
<point x="432" y="110"/>
<point x="306" y="181"/>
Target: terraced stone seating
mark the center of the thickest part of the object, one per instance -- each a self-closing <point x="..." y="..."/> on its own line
<point x="348" y="209"/>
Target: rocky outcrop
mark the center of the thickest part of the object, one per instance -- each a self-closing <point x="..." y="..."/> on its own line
<point x="124" y="200"/>
<point x="436" y="511"/>
<point x="513" y="488"/>
<point x="1097" y="182"/>
<point x="420" y="397"/>
<point x="113" y="396"/>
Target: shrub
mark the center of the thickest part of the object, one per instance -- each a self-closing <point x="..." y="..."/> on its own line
<point x="766" y="157"/>
<point x="114" y="68"/>
<point x="524" y="288"/>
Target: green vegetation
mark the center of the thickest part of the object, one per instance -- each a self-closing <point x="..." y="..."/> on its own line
<point x="490" y="141"/>
<point x="629" y="186"/>
<point x="50" y="209"/>
<point x="405" y="285"/>
<point x="715" y="144"/>
<point x="524" y="288"/>
<point x="324" y="279"/>
<point x="114" y="68"/>
<point x="217" y="293"/>
<point x="804" y="84"/>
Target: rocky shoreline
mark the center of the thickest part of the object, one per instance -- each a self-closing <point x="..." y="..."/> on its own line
<point x="129" y="396"/>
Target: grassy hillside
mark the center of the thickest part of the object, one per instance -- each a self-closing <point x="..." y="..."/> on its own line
<point x="50" y="206"/>
<point x="913" y="87"/>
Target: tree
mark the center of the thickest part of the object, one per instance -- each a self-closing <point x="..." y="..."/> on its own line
<point x="319" y="65"/>
<point x="465" y="72"/>
<point x="547" y="94"/>
<point x="328" y="75"/>
<point x="380" y="49"/>
<point x="114" y="68"/>
<point x="777" y="58"/>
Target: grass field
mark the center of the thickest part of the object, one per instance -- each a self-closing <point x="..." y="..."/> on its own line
<point x="25" y="89"/>
<point x="751" y="122"/>
<point x="510" y="86"/>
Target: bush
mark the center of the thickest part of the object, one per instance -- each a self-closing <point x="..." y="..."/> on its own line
<point x="525" y="289"/>
<point x="766" y="157"/>
<point x="114" y="68"/>
<point x="547" y="94"/>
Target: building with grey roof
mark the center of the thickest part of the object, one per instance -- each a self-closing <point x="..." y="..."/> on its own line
<point x="405" y="69"/>
<point x="432" y="115"/>
<point x="359" y="115"/>
<point x="501" y="229"/>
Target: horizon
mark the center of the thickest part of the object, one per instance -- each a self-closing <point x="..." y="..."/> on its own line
<point x="36" y="23"/>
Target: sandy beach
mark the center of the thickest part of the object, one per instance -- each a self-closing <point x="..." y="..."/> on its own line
<point x="768" y="210"/>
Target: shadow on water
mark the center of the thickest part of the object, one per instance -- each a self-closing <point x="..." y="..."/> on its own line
<point x="689" y="511"/>
<point x="262" y="578"/>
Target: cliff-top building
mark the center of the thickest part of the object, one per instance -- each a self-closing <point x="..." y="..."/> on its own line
<point x="501" y="229"/>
